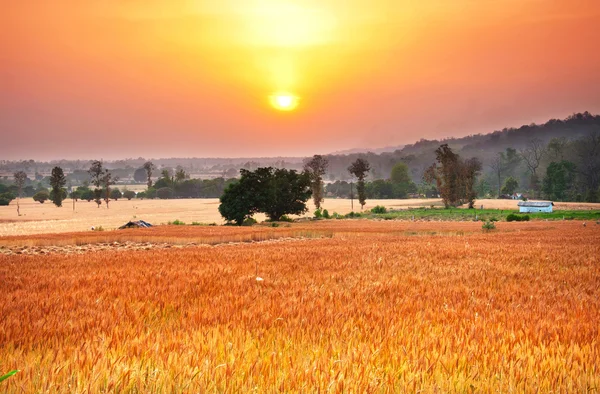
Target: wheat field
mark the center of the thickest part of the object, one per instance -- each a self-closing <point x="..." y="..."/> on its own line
<point x="370" y="307"/>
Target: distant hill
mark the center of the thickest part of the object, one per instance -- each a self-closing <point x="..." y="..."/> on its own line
<point x="366" y="150"/>
<point x="421" y="154"/>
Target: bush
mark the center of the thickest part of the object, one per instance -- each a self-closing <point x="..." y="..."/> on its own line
<point x="326" y="214"/>
<point x="379" y="209"/>
<point x="517" y="218"/>
<point x="141" y="195"/>
<point x="488" y="226"/>
<point x="115" y="194"/>
<point x="249" y="222"/>
<point x="41" y="196"/>
<point x="6" y="198"/>
<point x="318" y="213"/>
<point x="286" y="218"/>
<point x="176" y="222"/>
<point x="129" y="194"/>
<point x="352" y="215"/>
<point x="164" y="193"/>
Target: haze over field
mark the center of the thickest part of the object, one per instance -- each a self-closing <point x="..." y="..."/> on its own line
<point x="184" y="78"/>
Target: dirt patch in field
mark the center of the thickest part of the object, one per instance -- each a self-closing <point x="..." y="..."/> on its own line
<point x="127" y="246"/>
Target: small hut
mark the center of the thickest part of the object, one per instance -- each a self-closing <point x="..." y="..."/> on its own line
<point x="535" y="206"/>
<point x="135" y="224"/>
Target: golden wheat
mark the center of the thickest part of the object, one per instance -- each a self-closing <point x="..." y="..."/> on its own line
<point x="371" y="309"/>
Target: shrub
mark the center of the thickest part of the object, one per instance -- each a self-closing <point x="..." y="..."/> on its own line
<point x="141" y="195"/>
<point x="353" y="215"/>
<point x="129" y="194"/>
<point x="41" y="196"/>
<point x="6" y="198"/>
<point x="318" y="213"/>
<point x="488" y="226"/>
<point x="379" y="209"/>
<point x="517" y="218"/>
<point x="249" y="222"/>
<point x="326" y="214"/>
<point x="164" y="193"/>
<point x="115" y="194"/>
<point x="286" y="218"/>
<point x="176" y="222"/>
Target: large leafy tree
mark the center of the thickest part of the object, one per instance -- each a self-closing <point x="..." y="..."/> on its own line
<point x="275" y="192"/>
<point x="360" y="168"/>
<point x="316" y="168"/>
<point x="57" y="182"/>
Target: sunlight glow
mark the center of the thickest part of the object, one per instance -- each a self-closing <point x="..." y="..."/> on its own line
<point x="284" y="101"/>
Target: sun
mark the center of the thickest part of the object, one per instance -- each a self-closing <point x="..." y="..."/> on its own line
<point x="284" y="101"/>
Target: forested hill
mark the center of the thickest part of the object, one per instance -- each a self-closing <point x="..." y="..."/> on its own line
<point x="486" y="147"/>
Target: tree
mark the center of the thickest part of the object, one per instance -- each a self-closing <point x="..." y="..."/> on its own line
<point x="97" y="173"/>
<point x="455" y="179"/>
<point x="115" y="194"/>
<point x="6" y="198"/>
<point x="532" y="155"/>
<point x="58" y="182"/>
<point x="559" y="180"/>
<point x="20" y="178"/>
<point x="140" y="175"/>
<point x="149" y="167"/>
<point x="587" y="152"/>
<point x="129" y="194"/>
<point x="41" y="196"/>
<point x="359" y="168"/>
<point x="556" y="149"/>
<point x="445" y="173"/>
<point x="275" y="192"/>
<point x="107" y="182"/>
<point x="316" y="168"/>
<point x="401" y="181"/>
<point x="180" y="175"/>
<point x="469" y="170"/>
<point x="498" y="169"/>
<point x="164" y="193"/>
<point x="75" y="195"/>
<point x="510" y="186"/>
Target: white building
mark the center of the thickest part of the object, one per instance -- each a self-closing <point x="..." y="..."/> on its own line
<point x="535" y="206"/>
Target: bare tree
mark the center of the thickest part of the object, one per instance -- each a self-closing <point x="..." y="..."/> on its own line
<point x="533" y="154"/>
<point x="316" y="168"/>
<point x="498" y="168"/>
<point x="20" y="178"/>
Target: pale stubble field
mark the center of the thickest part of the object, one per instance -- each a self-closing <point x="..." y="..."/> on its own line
<point x="39" y="218"/>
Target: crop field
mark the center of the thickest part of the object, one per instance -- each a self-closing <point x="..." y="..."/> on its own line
<point x="350" y="306"/>
<point x="39" y="218"/>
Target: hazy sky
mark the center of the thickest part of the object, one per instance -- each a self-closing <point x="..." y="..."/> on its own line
<point x="158" y="78"/>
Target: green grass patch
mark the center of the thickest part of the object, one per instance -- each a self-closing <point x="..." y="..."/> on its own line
<point x="484" y="215"/>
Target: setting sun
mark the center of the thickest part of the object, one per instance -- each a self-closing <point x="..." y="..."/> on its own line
<point x="284" y="101"/>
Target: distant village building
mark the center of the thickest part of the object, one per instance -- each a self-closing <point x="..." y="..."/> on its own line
<point x="535" y="206"/>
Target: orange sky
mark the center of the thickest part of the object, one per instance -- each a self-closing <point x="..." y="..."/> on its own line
<point x="129" y="78"/>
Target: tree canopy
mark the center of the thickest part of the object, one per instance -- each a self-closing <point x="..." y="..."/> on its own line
<point x="274" y="192"/>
